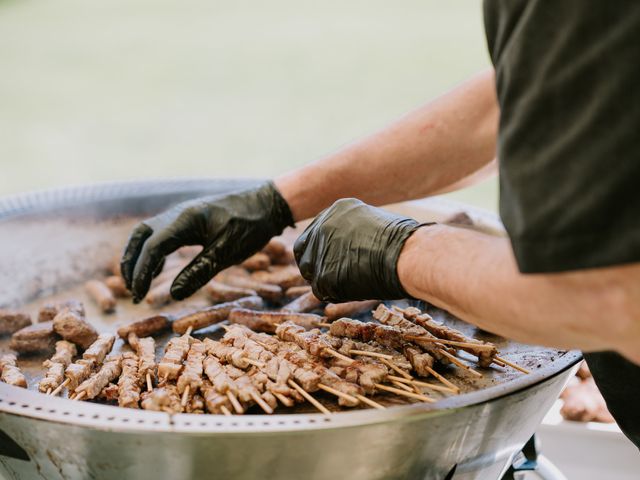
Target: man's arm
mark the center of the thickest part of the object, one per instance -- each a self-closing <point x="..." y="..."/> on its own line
<point x="444" y="144"/>
<point x="475" y="277"/>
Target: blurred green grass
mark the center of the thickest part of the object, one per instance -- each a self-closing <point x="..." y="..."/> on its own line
<point x="120" y="90"/>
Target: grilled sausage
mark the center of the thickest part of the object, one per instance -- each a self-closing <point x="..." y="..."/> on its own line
<point x="148" y="326"/>
<point x="101" y="295"/>
<point x="211" y="315"/>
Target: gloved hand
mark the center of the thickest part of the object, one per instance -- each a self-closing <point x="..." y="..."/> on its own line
<point x="229" y="227"/>
<point x="350" y="252"/>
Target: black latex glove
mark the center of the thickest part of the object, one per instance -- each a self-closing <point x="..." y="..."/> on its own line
<point x="229" y="227"/>
<point x="351" y="250"/>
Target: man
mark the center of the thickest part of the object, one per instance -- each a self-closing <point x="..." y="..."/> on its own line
<point x="564" y="125"/>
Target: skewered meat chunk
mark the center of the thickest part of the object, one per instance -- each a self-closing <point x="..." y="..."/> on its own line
<point x="50" y="310"/>
<point x="101" y="295"/>
<point x="257" y="261"/>
<point x="72" y="326"/>
<point x="421" y="362"/>
<point x="220" y="292"/>
<point x="117" y="285"/>
<point x="146" y="350"/>
<point x="348" y="309"/>
<point x="99" y="349"/>
<point x="65" y="351"/>
<point x="176" y="351"/>
<point x="304" y="303"/>
<point x="129" y="382"/>
<point x="213" y="400"/>
<point x="11" y="374"/>
<point x="485" y="355"/>
<point x="109" y="393"/>
<point x="196" y="404"/>
<point x="364" y="373"/>
<point x="11" y="321"/>
<point x="215" y="372"/>
<point x="53" y="377"/>
<point x="226" y="353"/>
<point x="347" y="345"/>
<point x="93" y="385"/>
<point x="238" y="277"/>
<point x="146" y="327"/>
<point x="34" y="338"/>
<point x="268" y="321"/>
<point x="211" y="315"/>
<point x="191" y="375"/>
<point x="285" y="276"/>
<point x="78" y="372"/>
<point x="162" y="399"/>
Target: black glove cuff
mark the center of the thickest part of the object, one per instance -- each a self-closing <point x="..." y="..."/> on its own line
<point x="394" y="236"/>
<point x="280" y="213"/>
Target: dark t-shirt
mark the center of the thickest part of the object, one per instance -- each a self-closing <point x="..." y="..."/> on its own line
<point x="568" y="84"/>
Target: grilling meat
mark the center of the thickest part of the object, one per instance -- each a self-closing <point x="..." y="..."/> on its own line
<point x="49" y="311"/>
<point x="268" y="321"/>
<point x="118" y="288"/>
<point x="129" y="382"/>
<point x="212" y="315"/>
<point x="304" y="303"/>
<point x="72" y="326"/>
<point x="191" y="375"/>
<point x="146" y="327"/>
<point x="11" y="321"/>
<point x="78" y="372"/>
<point x="176" y="351"/>
<point x="349" y="309"/>
<point x="284" y="276"/>
<point x="295" y="292"/>
<point x="34" y="338"/>
<point x="11" y="374"/>
<point x="99" y="349"/>
<point x="160" y="294"/>
<point x="257" y="261"/>
<point x="163" y="399"/>
<point x="238" y="277"/>
<point x="146" y="350"/>
<point x="214" y="401"/>
<point x="220" y="292"/>
<point x="101" y="295"/>
<point x="65" y="351"/>
<point x="109" y="393"/>
<point x="93" y="385"/>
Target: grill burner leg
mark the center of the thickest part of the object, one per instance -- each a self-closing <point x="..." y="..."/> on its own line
<point x="530" y="460"/>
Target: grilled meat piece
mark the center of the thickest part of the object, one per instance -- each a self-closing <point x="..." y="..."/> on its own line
<point x="191" y="375"/>
<point x="278" y="252"/>
<point x="295" y="292"/>
<point x="238" y="277"/>
<point x="214" y="401"/>
<point x="349" y="309"/>
<point x="212" y="315"/>
<point x="146" y="350"/>
<point x="93" y="385"/>
<point x="65" y="351"/>
<point x="11" y="321"/>
<point x="49" y="311"/>
<point x="160" y="294"/>
<point x="72" y="326"/>
<point x="146" y="327"/>
<point x="101" y="295"/>
<point x="99" y="349"/>
<point x="129" y="382"/>
<point x="11" y="374"/>
<point x="34" y="338"/>
<point x="284" y="276"/>
<point x="53" y="377"/>
<point x="268" y="321"/>
<point x="175" y="352"/>
<point x="304" y="303"/>
<point x="196" y="404"/>
<point x="109" y="393"/>
<point x="257" y="261"/>
<point x="421" y="362"/>
<point x="220" y="292"/>
<point x="117" y="285"/>
<point x="162" y="399"/>
<point x="78" y="372"/>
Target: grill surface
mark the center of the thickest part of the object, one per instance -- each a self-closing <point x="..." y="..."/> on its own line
<point x="49" y="245"/>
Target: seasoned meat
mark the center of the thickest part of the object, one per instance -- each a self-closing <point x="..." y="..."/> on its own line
<point x="162" y="399"/>
<point x="144" y="328"/>
<point x="99" y="349"/>
<point x="65" y="351"/>
<point x="220" y="292"/>
<point x="257" y="261"/>
<point x="101" y="295"/>
<point x="116" y="284"/>
<point x="73" y="327"/>
<point x="11" y="374"/>
<point x="11" y="321"/>
<point x="349" y="309"/>
<point x="285" y="276"/>
<point x="93" y="385"/>
<point x="304" y="303"/>
<point x="212" y="315"/>
<point x="49" y="311"/>
<point x="268" y="321"/>
<point x="53" y="377"/>
<point x="34" y="338"/>
<point x="129" y="382"/>
<point x="238" y="277"/>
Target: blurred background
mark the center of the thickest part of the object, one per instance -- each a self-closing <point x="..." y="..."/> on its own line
<point x="99" y="91"/>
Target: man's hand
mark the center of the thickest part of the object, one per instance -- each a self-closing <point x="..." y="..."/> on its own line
<point x="350" y="252"/>
<point x="229" y="227"/>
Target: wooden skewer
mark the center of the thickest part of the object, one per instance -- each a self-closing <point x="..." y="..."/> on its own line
<point x="369" y="402"/>
<point x="48" y="391"/>
<point x="337" y="393"/>
<point x="446" y="382"/>
<point x="185" y="396"/>
<point x="454" y="343"/>
<point x="263" y="405"/>
<point x="255" y="362"/>
<point x="60" y="387"/>
<point x="364" y="353"/>
<point x="80" y="396"/>
<point x="309" y="397"/>
<point x="512" y="365"/>
<point x="323" y="324"/>
<point x="499" y="363"/>
<point x="460" y="364"/>
<point x="225" y="410"/>
<point x="403" y="386"/>
<point x="396" y="369"/>
<point x="402" y="393"/>
<point x="235" y="403"/>
<point x="149" y="384"/>
<point x="339" y="355"/>
<point x="189" y="330"/>
<point x="167" y="410"/>
<point x="437" y="388"/>
<point x="286" y="401"/>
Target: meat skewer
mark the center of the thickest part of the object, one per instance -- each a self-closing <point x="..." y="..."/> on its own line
<point x="349" y="309"/>
<point x="176" y="351"/>
<point x="11" y="321"/>
<point x="129" y="381"/>
<point x="11" y="374"/>
<point x="101" y="295"/>
<point x="221" y="381"/>
<point x="212" y="315"/>
<point x="268" y="321"/>
<point x="215" y="402"/>
<point x="65" y="351"/>
<point x="93" y="385"/>
<point x="146" y="350"/>
<point x="99" y="349"/>
<point x="190" y="380"/>
<point x="163" y="399"/>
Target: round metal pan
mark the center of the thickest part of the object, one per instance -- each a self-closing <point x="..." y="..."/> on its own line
<point x="51" y="242"/>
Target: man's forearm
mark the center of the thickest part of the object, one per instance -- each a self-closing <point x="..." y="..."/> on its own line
<point x="474" y="276"/>
<point x="422" y="154"/>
